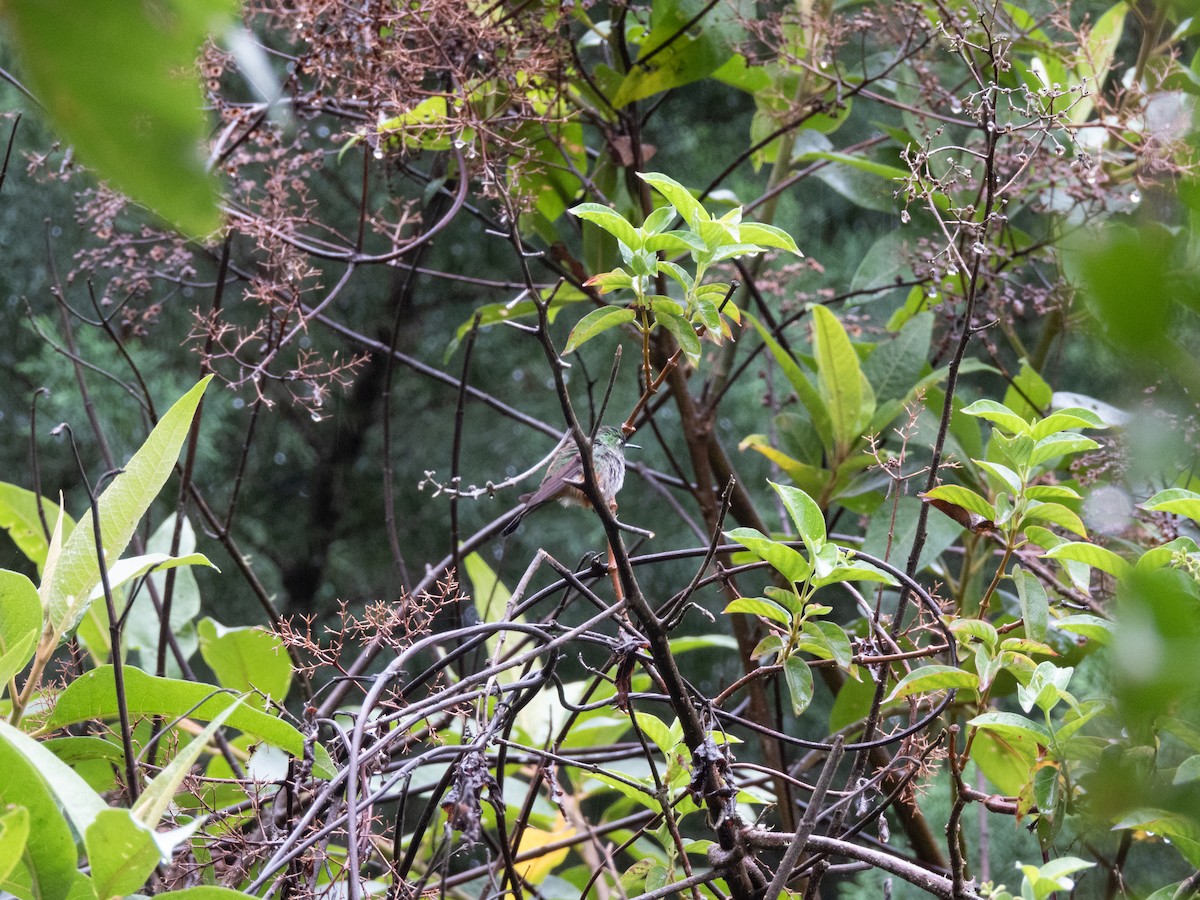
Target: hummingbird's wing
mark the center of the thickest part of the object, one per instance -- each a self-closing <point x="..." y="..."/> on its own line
<point x="561" y="482"/>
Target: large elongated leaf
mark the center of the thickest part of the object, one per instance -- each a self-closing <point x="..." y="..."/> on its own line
<point x="80" y="803"/>
<point x="93" y="696"/>
<point x="19" y="517"/>
<point x="20" y="623"/>
<point x="846" y="393"/>
<point x="122" y="506"/>
<point x="818" y="412"/>
<point x="50" y="859"/>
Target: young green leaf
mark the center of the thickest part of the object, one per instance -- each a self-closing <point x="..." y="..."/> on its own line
<point x="998" y="414"/>
<point x="1035" y="605"/>
<point x="805" y="515"/>
<point x="678" y="196"/>
<point x="768" y="236"/>
<point x="1093" y="555"/>
<point x="933" y="678"/>
<point x="759" y="606"/>
<point x="610" y="221"/>
<point x="596" y="322"/>
<point x="683" y="333"/>
<point x="843" y="389"/>
<point x="784" y="559"/>
<point x="1056" y="514"/>
<point x="800" y="683"/>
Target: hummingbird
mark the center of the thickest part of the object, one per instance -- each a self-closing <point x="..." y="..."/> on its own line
<point x="564" y="478"/>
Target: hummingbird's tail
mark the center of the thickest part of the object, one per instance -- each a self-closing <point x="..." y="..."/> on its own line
<point x="512" y="526"/>
<point x="524" y="511"/>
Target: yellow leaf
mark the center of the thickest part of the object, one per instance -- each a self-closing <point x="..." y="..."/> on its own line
<point x="535" y="870"/>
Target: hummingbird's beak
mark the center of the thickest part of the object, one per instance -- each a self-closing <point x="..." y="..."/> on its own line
<point x="633" y="446"/>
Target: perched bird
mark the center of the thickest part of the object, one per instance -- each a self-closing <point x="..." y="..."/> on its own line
<point x="564" y="478"/>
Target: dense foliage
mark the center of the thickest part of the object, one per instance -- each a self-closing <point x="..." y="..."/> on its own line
<point x="897" y="299"/>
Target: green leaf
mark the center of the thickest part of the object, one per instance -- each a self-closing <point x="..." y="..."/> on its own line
<point x="835" y="639"/>
<point x="143" y="628"/>
<point x="142" y="125"/>
<point x="557" y="298"/>
<point x="1095" y="60"/>
<point x="1056" y="445"/>
<point x="1188" y="770"/>
<point x="606" y="282"/>
<point x="19" y="517"/>
<point x="640" y="794"/>
<point x="657" y="730"/>
<point x="678" y="274"/>
<point x="1093" y="555"/>
<point x="1078" y="573"/>
<point x="14" y="837"/>
<point x="977" y="628"/>
<point x="772" y="643"/>
<point x="1035" y="606"/>
<point x="768" y="236"/>
<point x="1055" y="513"/>
<point x="1011" y="724"/>
<point x="422" y="127"/>
<point x="849" y="569"/>
<point x="678" y="196"/>
<point x="675" y="242"/>
<point x="122" y="851"/>
<point x="800" y="683"/>
<point x="1177" y="502"/>
<point x="93" y="696"/>
<point x="20" y="624"/>
<point x="942" y="531"/>
<point x="806" y="477"/>
<point x="50" y="860"/>
<point x="895" y="365"/>
<point x="1071" y="417"/>
<point x="843" y="389"/>
<point x="595" y="322"/>
<point x="683" y="332"/>
<point x="1166" y="554"/>
<point x="247" y="659"/>
<point x="1183" y="831"/>
<point x="933" y="678"/>
<point x="1005" y="478"/>
<point x="964" y="497"/>
<point x="999" y="414"/>
<point x="759" y="606"/>
<point x="121" y="506"/>
<point x="1092" y="627"/>
<point x="686" y="59"/>
<point x="72" y="794"/>
<point x="1028" y="394"/>
<point x="610" y="221"/>
<point x="1006" y="760"/>
<point x="805" y="515"/>
<point x="818" y="412"/>
<point x="133" y="567"/>
<point x="1051" y="492"/>
<point x="784" y="559"/>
